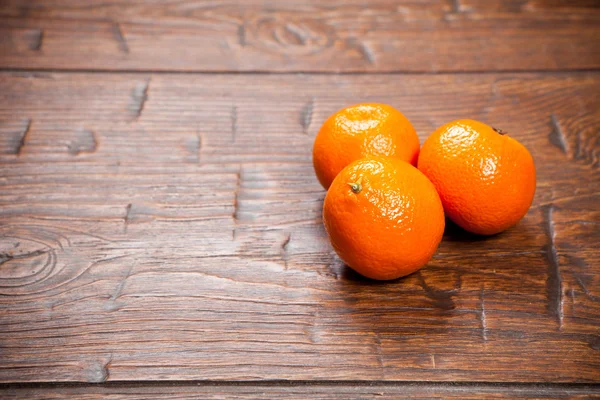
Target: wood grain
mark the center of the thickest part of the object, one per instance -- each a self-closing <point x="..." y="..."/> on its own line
<point x="294" y="35"/>
<point x="168" y="227"/>
<point x="303" y="390"/>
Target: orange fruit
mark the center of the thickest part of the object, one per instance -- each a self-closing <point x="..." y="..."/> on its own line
<point x="383" y="217"/>
<point x="362" y="130"/>
<point x="485" y="178"/>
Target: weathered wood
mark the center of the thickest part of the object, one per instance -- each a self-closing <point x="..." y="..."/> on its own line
<point x="300" y="35"/>
<point x="169" y="227"/>
<point x="303" y="390"/>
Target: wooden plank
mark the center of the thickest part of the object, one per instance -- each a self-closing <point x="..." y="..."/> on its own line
<point x="169" y="227"/>
<point x="299" y="35"/>
<point x="303" y="390"/>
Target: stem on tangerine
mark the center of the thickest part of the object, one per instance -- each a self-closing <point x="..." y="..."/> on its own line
<point x="356" y="187"/>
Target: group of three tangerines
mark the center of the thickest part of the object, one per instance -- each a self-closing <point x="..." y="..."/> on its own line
<point x="387" y="197"/>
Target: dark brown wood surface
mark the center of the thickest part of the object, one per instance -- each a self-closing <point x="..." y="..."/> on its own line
<point x="159" y="226"/>
<point x="301" y="35"/>
<point x="167" y="227"/>
<point x="301" y="391"/>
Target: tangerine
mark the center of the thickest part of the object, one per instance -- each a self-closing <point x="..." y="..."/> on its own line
<point x="485" y="178"/>
<point x="384" y="218"/>
<point x="362" y="130"/>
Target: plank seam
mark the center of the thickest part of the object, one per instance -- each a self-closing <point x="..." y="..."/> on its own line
<point x="299" y="72"/>
<point x="315" y="383"/>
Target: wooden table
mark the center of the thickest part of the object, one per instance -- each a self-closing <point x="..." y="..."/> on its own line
<point x="160" y="221"/>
